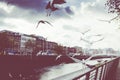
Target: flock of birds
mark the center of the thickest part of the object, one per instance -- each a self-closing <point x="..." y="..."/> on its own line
<point x="51" y="6"/>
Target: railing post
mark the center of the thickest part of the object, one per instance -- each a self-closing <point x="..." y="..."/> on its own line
<point x="101" y="73"/>
<point x="96" y="73"/>
<point x="87" y="76"/>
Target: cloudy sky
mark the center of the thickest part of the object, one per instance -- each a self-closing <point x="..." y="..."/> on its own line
<point x="72" y="18"/>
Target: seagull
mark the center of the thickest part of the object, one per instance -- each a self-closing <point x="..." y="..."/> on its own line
<point x="99" y="40"/>
<point x="77" y="60"/>
<point x="97" y="35"/>
<point x="85" y="40"/>
<point x="51" y="7"/>
<point x="58" y="1"/>
<point x="92" y="42"/>
<point x="109" y="21"/>
<point x="42" y="21"/>
<point x="10" y="75"/>
<point x="58" y="57"/>
<point x="83" y="33"/>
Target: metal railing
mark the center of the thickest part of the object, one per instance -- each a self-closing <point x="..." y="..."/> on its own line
<point x="105" y="71"/>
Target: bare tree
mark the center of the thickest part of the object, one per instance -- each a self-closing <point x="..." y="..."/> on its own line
<point x="113" y="7"/>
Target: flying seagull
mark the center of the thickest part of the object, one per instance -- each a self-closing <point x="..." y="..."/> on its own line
<point x="97" y="35"/>
<point x="51" y="7"/>
<point x="44" y="22"/>
<point x="91" y="42"/>
<point x="85" y="40"/>
<point x="77" y="60"/>
<point x="58" y="57"/>
<point x="109" y="21"/>
<point x="58" y="1"/>
<point x="83" y="33"/>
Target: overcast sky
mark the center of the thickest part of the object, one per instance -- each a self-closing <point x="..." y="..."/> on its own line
<point x="72" y="18"/>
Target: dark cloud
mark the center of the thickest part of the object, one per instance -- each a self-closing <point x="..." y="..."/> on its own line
<point x="28" y="4"/>
<point x="68" y="10"/>
<point x="25" y="9"/>
<point x="38" y="7"/>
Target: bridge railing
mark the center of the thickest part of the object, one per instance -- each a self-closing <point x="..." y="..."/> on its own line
<point x="105" y="71"/>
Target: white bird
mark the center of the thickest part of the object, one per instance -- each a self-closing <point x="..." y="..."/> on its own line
<point x="10" y="75"/>
<point x="58" y="57"/>
<point x="77" y="60"/>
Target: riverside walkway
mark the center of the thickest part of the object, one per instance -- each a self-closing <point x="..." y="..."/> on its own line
<point x="118" y="71"/>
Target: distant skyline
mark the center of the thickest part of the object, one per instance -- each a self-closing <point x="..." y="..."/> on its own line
<point x="72" y="18"/>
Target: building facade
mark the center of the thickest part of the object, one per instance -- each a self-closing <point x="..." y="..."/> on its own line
<point x="23" y="40"/>
<point x="19" y="42"/>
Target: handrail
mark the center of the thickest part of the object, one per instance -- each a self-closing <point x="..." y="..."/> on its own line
<point x="100" y="72"/>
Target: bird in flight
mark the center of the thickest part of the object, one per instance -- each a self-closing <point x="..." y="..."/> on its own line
<point x="91" y="42"/>
<point x="109" y="21"/>
<point x="58" y="1"/>
<point x="58" y="57"/>
<point x="83" y="33"/>
<point x="51" y="6"/>
<point x="96" y="41"/>
<point x="44" y="22"/>
<point x="97" y="35"/>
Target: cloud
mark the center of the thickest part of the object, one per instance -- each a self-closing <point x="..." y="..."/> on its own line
<point x="71" y="28"/>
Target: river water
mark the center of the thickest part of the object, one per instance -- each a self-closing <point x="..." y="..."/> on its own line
<point x="60" y="70"/>
<point x="50" y="72"/>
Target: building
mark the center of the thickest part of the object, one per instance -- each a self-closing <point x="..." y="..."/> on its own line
<point x="71" y="50"/>
<point x="15" y="39"/>
<point x="18" y="42"/>
<point x="23" y="40"/>
<point x="50" y="46"/>
<point x="79" y="49"/>
<point x="24" y="44"/>
<point x="40" y="43"/>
